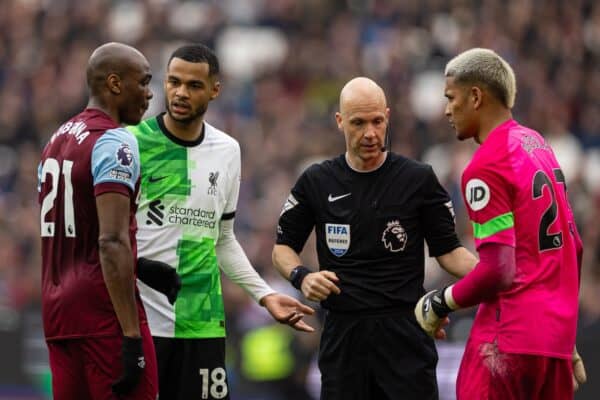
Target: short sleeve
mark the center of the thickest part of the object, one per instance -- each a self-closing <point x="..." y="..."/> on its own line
<point x="297" y="218"/>
<point x="437" y="217"/>
<point x="487" y="196"/>
<point x="116" y="159"/>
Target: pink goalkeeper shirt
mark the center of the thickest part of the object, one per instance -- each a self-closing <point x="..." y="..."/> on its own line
<point x="515" y="194"/>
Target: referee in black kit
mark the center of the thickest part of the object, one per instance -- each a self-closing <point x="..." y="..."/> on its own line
<point x="371" y="210"/>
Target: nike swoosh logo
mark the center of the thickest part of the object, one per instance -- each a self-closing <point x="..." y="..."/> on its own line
<point x="153" y="179"/>
<point x="336" y="198"/>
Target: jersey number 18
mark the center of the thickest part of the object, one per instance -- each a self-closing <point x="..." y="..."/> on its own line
<point x="218" y="388"/>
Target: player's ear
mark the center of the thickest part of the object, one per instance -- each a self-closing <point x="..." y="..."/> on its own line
<point x="476" y="95"/>
<point x="216" y="89"/>
<point x="338" y="120"/>
<point x="113" y="81"/>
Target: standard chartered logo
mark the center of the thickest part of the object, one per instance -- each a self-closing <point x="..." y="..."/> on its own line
<point x="180" y="215"/>
<point x="192" y="216"/>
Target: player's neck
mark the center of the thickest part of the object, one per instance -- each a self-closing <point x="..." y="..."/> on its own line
<point x="490" y="123"/>
<point x="97" y="105"/>
<point x="188" y="131"/>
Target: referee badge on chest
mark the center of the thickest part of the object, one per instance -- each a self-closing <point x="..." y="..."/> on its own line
<point x="394" y="237"/>
<point x="337" y="237"/>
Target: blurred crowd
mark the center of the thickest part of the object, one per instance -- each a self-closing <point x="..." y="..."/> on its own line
<point x="283" y="65"/>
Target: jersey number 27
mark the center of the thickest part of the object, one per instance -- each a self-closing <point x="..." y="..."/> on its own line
<point x="546" y="240"/>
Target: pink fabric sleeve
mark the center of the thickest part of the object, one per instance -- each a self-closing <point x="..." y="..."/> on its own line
<point x="494" y="273"/>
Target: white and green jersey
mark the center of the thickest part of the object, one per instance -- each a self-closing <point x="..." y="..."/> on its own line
<point x="186" y="190"/>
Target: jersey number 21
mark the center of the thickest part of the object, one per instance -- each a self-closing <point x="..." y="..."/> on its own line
<point x="53" y="169"/>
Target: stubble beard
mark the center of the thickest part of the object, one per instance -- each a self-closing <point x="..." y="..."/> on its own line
<point x="194" y="116"/>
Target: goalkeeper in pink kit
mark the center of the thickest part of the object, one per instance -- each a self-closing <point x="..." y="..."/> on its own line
<point x="522" y="344"/>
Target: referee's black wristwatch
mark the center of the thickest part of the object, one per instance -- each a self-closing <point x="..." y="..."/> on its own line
<point x="297" y="276"/>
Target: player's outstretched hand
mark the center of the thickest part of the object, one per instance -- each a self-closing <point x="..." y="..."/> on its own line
<point x="133" y="361"/>
<point x="431" y="322"/>
<point x="159" y="276"/>
<point x="287" y="310"/>
<point x="317" y="286"/>
<point x="579" y="375"/>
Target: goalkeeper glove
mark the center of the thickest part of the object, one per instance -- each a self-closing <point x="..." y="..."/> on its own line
<point x="579" y="375"/>
<point x="133" y="361"/>
<point x="432" y="308"/>
<point x="159" y="276"/>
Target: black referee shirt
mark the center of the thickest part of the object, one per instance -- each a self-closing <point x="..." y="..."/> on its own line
<point x="370" y="228"/>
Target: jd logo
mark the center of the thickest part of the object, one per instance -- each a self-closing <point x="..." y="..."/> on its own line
<point x="155" y="213"/>
<point x="477" y="194"/>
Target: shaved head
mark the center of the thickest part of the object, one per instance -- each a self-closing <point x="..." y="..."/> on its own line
<point x="111" y="58"/>
<point x="361" y="91"/>
<point x="118" y="78"/>
<point x="363" y="118"/>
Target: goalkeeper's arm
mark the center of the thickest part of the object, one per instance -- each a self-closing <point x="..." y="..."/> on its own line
<point x="494" y="273"/>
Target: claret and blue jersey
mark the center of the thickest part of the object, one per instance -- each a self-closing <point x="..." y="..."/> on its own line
<point x="87" y="156"/>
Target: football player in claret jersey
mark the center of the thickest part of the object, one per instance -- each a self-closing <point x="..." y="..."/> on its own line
<point x="189" y="191"/>
<point x="522" y="344"/>
<point x="372" y="211"/>
<point x="94" y="322"/>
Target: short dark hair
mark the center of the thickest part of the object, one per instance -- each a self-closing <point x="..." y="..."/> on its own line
<point x="198" y="53"/>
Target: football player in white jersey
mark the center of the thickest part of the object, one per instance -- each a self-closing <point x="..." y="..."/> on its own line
<point x="190" y="182"/>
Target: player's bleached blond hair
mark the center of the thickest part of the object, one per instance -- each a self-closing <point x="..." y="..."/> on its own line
<point x="485" y="67"/>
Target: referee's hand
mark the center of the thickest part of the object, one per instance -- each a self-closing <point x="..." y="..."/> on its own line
<point x="317" y="286"/>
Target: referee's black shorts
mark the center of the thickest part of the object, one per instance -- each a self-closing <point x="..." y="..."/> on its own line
<point x="384" y="357"/>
